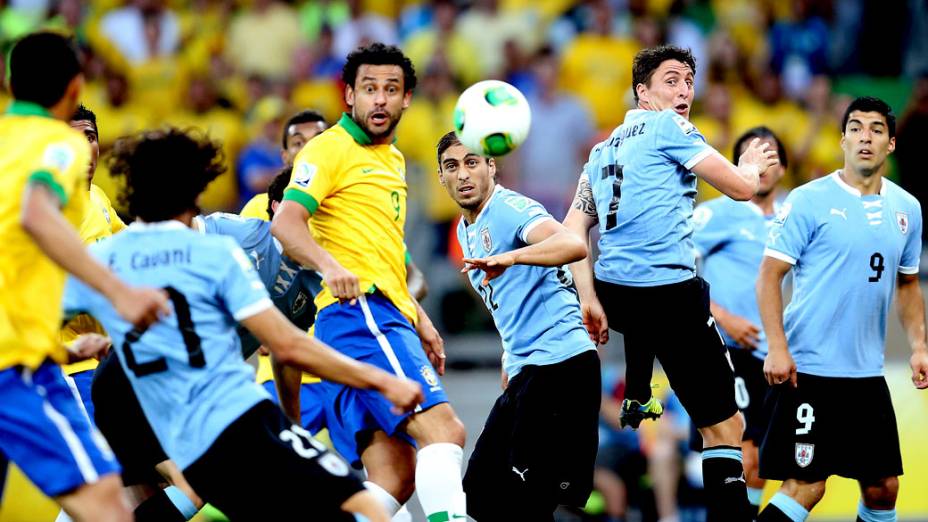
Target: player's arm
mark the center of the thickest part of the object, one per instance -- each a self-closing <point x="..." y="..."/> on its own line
<point x="432" y="342"/>
<point x="287" y="381"/>
<point x="42" y="220"/>
<point x="743" y="331"/>
<point x="549" y="243"/>
<point x="292" y="347"/>
<point x="911" y="306"/>
<point x="580" y="219"/>
<point x="289" y="227"/>
<point x="415" y="280"/>
<point x="737" y="181"/>
<point x="779" y="366"/>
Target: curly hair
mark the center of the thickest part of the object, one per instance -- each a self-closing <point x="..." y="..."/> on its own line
<point x="379" y="54"/>
<point x="165" y="171"/>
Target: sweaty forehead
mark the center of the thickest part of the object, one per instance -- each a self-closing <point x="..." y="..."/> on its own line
<point x="871" y="117"/>
<point x="380" y="72"/>
<point x="674" y="66"/>
<point x="456" y="152"/>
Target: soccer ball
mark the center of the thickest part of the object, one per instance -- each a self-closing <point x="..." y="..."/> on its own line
<point x="492" y="118"/>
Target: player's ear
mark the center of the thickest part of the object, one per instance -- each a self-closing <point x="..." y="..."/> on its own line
<point x="407" y="98"/>
<point x="892" y="145"/>
<point x="642" y="91"/>
<point x="349" y="95"/>
<point x="491" y="167"/>
<point x="441" y="176"/>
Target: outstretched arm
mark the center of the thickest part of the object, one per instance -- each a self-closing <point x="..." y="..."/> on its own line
<point x="911" y="306"/>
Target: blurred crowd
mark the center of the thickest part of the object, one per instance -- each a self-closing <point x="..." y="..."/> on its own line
<point x="240" y="68"/>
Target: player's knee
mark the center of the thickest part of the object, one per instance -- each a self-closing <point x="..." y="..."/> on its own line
<point x="806" y="493"/>
<point x="437" y="424"/>
<point x="101" y="501"/>
<point x="726" y="433"/>
<point x="399" y="481"/>
<point x="881" y="494"/>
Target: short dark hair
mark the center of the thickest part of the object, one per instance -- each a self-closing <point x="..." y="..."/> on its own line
<point x="871" y="104"/>
<point x="648" y="60"/>
<point x="84" y="114"/>
<point x="379" y="54"/>
<point x="761" y="132"/>
<point x="305" y="116"/>
<point x="42" y="65"/>
<point x="275" y="191"/>
<point x="165" y="171"/>
<point x="447" y="141"/>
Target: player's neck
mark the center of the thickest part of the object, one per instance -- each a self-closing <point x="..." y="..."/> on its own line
<point x="765" y="202"/>
<point x="866" y="185"/>
<point x="471" y="214"/>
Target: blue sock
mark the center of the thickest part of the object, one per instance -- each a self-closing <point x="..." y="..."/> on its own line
<point x="181" y="502"/>
<point x="875" y="515"/>
<point x="789" y="507"/>
<point x="755" y="495"/>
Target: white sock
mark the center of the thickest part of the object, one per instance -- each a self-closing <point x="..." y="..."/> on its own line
<point x="403" y="515"/>
<point x="386" y="500"/>
<point x="63" y="517"/>
<point x="438" y="480"/>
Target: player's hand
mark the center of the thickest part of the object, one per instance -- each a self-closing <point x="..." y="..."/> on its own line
<point x="504" y="379"/>
<point x="594" y="319"/>
<point x="779" y="367"/>
<point x="405" y="394"/>
<point x="492" y="266"/>
<point x="744" y="332"/>
<point x="432" y="343"/>
<point x="142" y="307"/>
<point x="919" y="363"/>
<point x="90" y="345"/>
<point x="760" y="155"/>
<point x="344" y="285"/>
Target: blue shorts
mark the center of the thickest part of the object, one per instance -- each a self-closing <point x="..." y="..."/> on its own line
<point x="312" y="400"/>
<point x="375" y="332"/>
<point x="44" y="431"/>
<point x="83" y="380"/>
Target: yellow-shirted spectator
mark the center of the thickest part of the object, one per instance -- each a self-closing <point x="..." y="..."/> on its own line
<point x="261" y="40"/>
<point x="595" y="67"/>
<point x="221" y="124"/>
<point x="461" y="54"/>
<point x="715" y="124"/>
<point x="488" y="29"/>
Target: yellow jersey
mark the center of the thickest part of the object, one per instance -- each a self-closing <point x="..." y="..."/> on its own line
<point x="100" y="221"/>
<point x="356" y="194"/>
<point x="256" y="207"/>
<point x="35" y="148"/>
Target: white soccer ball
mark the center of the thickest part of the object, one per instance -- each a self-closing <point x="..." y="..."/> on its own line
<point x="492" y="118"/>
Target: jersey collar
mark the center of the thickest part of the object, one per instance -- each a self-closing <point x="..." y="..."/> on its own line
<point x="351" y="127"/>
<point x="24" y="108"/>
<point x="141" y="226"/>
<point x="836" y="175"/>
<point x="486" y="205"/>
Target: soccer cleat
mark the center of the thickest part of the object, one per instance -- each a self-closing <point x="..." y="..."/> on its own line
<point x="633" y="412"/>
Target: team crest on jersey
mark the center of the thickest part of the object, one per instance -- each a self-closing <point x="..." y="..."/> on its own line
<point x="304" y="174"/>
<point x="429" y="376"/>
<point x="299" y="303"/>
<point x="783" y="213"/>
<point x="486" y="239"/>
<point x="804" y="454"/>
<point x="902" y="219"/>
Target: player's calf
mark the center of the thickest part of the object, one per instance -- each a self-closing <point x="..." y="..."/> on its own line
<point x="878" y="502"/>
<point x="793" y="502"/>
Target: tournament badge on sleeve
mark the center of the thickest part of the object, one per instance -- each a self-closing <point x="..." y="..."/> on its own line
<point x="902" y="219"/>
<point x="804" y="454"/>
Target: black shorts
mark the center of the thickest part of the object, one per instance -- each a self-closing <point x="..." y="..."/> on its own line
<point x="538" y="446"/>
<point x="122" y="422"/>
<point x="830" y="426"/>
<point x="263" y="467"/>
<point x="673" y="323"/>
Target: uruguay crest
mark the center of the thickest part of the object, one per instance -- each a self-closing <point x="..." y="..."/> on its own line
<point x="902" y="219"/>
<point x="804" y="454"/>
<point x="485" y="238"/>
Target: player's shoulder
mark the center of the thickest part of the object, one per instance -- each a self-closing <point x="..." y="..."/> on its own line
<point x="668" y="120"/>
<point x="901" y="195"/>
<point x="332" y="142"/>
<point x="712" y="209"/>
<point x="512" y="201"/>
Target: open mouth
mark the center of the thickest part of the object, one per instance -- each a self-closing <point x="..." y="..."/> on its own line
<point x="865" y="153"/>
<point x="466" y="190"/>
<point x="379" y="118"/>
<point x="681" y="108"/>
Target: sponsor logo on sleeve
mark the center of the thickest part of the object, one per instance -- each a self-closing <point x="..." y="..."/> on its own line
<point x="684" y="124"/>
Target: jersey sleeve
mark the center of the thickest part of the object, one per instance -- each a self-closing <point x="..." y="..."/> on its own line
<point x="314" y="177"/>
<point x="62" y="166"/>
<point x="680" y="141"/>
<point x="240" y="288"/>
<point x="709" y="232"/>
<point x="524" y="214"/>
<point x="792" y="229"/>
<point x="911" y="253"/>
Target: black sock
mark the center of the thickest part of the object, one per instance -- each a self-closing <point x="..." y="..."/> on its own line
<point x="725" y="487"/>
<point x="772" y="513"/>
<point x="639" y="365"/>
<point x="158" y="508"/>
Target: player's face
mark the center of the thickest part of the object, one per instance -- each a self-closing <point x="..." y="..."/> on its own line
<point x="298" y="135"/>
<point x="467" y="177"/>
<point x="378" y="99"/>
<point x="90" y="132"/>
<point x="866" y="142"/>
<point x="770" y="177"/>
<point x="671" y="87"/>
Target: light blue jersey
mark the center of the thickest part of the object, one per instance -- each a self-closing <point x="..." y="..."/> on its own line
<point x="292" y="288"/>
<point x="535" y="308"/>
<point x="846" y="250"/>
<point x="730" y="237"/>
<point x="187" y="369"/>
<point x="644" y="193"/>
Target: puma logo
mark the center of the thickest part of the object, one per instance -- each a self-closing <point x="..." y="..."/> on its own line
<point x="521" y="474"/>
<point x="731" y="480"/>
<point x="842" y="213"/>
